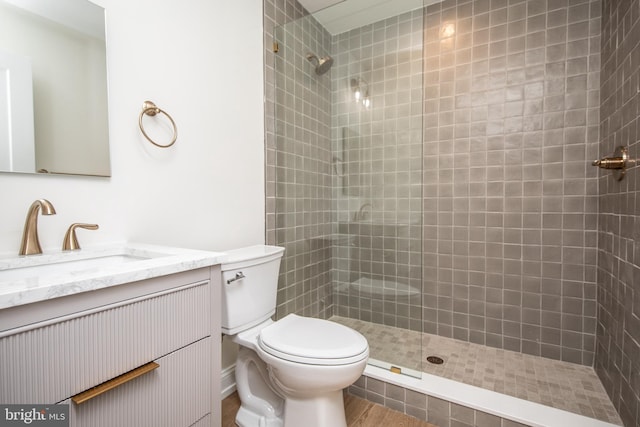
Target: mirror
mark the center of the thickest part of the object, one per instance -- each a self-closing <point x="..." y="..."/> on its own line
<point x="53" y="88"/>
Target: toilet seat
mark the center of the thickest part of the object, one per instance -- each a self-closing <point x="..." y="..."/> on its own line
<point x="313" y="341"/>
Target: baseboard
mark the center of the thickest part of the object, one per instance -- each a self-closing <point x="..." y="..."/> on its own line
<point x="228" y="381"/>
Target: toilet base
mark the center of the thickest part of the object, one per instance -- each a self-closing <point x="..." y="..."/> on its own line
<point x="277" y="392"/>
<point x="326" y="410"/>
<point x="247" y="418"/>
<point x="260" y="406"/>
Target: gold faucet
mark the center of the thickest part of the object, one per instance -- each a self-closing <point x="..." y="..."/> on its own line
<point x="70" y="241"/>
<point x="30" y="242"/>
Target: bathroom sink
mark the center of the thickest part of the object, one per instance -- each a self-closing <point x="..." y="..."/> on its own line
<point x="64" y="265"/>
<point x="33" y="278"/>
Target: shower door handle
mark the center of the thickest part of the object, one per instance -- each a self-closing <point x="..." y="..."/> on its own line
<point x="617" y="163"/>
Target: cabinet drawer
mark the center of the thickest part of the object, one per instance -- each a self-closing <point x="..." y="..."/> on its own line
<point x="52" y="362"/>
<point x="203" y="422"/>
<point x="176" y="394"/>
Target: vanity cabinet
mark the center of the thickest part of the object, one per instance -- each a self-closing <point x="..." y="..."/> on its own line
<point x="70" y="345"/>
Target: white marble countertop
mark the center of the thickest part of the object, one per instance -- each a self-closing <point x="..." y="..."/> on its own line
<point x="34" y="278"/>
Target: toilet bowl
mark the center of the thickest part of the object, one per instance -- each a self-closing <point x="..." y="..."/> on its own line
<point x="290" y="372"/>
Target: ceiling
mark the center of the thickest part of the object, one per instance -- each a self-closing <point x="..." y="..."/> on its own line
<point x="313" y="6"/>
<point x="338" y="16"/>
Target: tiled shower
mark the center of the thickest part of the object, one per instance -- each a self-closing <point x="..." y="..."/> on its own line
<point x="521" y="244"/>
<point x="511" y="121"/>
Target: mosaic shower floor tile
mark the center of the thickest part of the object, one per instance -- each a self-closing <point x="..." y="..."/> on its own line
<point x="562" y="385"/>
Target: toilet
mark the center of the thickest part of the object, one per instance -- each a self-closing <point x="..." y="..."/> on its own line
<point x="290" y="372"/>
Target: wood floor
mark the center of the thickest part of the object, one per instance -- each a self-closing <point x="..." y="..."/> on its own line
<point x="360" y="413"/>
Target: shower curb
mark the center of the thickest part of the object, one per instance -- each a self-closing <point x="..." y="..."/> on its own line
<point x="440" y="401"/>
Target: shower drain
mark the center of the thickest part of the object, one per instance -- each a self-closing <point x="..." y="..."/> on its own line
<point x="435" y="360"/>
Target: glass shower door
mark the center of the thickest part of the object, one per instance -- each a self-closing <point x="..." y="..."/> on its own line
<point x="348" y="172"/>
<point x="377" y="156"/>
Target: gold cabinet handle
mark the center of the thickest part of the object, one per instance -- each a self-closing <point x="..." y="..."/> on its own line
<point x="113" y="383"/>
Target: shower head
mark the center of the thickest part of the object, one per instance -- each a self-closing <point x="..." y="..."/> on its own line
<point x="322" y="64"/>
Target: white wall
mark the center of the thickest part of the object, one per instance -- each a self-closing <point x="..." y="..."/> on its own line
<point x="201" y="61"/>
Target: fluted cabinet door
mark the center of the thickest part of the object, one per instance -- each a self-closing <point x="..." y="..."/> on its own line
<point x="176" y="394"/>
<point x="53" y="362"/>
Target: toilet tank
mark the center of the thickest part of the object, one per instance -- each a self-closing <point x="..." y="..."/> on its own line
<point x="249" y="286"/>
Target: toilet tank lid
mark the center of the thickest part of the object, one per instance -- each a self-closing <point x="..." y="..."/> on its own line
<point x="250" y="255"/>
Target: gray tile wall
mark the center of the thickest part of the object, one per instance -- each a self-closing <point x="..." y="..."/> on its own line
<point x="295" y="200"/>
<point x="510" y="207"/>
<point x="618" y="335"/>
<point x="274" y="15"/>
<point x="303" y="170"/>
<point x="511" y="118"/>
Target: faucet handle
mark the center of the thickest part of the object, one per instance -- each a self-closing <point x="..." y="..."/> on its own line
<point x="70" y="241"/>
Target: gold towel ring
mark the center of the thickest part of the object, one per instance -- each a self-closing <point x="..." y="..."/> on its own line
<point x="150" y="109"/>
